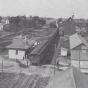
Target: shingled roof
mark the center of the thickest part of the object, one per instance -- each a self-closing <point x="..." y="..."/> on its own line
<point x="76" y="40"/>
<point x="70" y="78"/>
<point x="20" y="44"/>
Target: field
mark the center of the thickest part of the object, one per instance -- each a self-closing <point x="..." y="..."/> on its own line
<point x="22" y="81"/>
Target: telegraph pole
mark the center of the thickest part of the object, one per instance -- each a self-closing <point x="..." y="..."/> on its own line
<point x="2" y="66"/>
<point x="54" y="57"/>
<point x="79" y="60"/>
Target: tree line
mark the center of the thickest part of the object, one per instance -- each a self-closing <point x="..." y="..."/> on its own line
<point x="18" y="23"/>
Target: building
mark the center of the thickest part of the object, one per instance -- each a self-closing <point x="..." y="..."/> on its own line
<point x="5" y="20"/>
<point x="70" y="78"/>
<point x="79" y="51"/>
<point x="20" y="48"/>
<point x="69" y="26"/>
<point x="64" y="51"/>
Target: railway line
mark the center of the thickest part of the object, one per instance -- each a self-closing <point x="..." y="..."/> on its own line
<point x="48" y="57"/>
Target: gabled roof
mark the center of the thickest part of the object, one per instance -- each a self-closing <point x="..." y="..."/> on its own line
<point x="76" y="40"/>
<point x="70" y="78"/>
<point x="20" y="44"/>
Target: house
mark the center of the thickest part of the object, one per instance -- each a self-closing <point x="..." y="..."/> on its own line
<point x="20" y="48"/>
<point x="69" y="26"/>
<point x="69" y="78"/>
<point x="5" y="20"/>
<point x="79" y="51"/>
<point x="1" y="27"/>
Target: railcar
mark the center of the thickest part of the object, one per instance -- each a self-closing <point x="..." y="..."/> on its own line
<point x="38" y="53"/>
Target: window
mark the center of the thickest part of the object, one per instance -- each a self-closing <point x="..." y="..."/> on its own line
<point x="16" y="52"/>
<point x="84" y="49"/>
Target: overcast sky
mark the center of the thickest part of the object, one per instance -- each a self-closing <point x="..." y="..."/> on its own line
<point x="45" y="8"/>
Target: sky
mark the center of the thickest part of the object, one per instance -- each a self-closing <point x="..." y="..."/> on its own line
<point x="45" y="8"/>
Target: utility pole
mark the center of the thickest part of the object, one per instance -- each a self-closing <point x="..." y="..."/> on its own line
<point x="79" y="60"/>
<point x="2" y="66"/>
<point x="54" y="57"/>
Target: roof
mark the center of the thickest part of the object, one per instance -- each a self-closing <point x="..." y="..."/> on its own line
<point x="70" y="78"/>
<point x="20" y="44"/>
<point x="76" y="40"/>
<point x="22" y="80"/>
<point x="39" y="48"/>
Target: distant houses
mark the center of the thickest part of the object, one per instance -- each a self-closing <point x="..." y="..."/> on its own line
<point x="5" y="20"/>
<point x="20" y="48"/>
<point x="79" y="51"/>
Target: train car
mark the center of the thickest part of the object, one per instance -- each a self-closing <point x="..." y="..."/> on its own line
<point x="38" y="53"/>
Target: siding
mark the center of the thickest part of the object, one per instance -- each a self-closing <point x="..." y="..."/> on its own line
<point x="83" y="64"/>
<point x="12" y="54"/>
<point x="75" y="55"/>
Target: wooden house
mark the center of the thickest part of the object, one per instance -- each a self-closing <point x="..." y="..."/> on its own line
<point x="69" y="26"/>
<point x="79" y="51"/>
<point x="20" y="48"/>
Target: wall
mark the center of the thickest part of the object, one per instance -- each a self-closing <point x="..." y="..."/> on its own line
<point x="83" y="64"/>
<point x="63" y="52"/>
<point x="12" y="54"/>
<point x="77" y="54"/>
<point x="34" y="59"/>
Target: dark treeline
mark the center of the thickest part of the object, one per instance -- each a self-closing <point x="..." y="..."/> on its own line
<point x="18" y="23"/>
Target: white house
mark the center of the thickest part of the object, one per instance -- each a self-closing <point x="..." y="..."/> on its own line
<point x="20" y="48"/>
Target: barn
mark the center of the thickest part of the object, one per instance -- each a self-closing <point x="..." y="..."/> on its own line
<point x="69" y="26"/>
<point x="70" y="78"/>
<point x="79" y="51"/>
